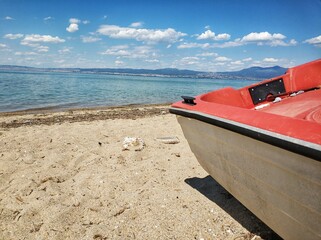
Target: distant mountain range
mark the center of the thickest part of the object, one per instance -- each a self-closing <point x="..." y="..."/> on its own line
<point x="248" y="73"/>
<point x="258" y="72"/>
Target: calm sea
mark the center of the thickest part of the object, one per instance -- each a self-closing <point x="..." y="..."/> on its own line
<point x="29" y="90"/>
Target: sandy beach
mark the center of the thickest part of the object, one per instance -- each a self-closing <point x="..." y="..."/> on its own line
<point x="67" y="175"/>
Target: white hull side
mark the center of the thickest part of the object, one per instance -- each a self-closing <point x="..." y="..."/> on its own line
<point x="280" y="187"/>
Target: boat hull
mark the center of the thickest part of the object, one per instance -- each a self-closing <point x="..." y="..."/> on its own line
<point x="279" y="186"/>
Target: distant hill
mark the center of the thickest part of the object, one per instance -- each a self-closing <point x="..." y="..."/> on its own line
<point x="257" y="72"/>
<point x="163" y="71"/>
<point x="248" y="73"/>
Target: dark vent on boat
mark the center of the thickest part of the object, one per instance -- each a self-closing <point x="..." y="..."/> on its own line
<point x="189" y="100"/>
<point x="261" y="92"/>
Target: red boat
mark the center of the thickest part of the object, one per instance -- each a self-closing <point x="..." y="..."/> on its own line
<point x="263" y="144"/>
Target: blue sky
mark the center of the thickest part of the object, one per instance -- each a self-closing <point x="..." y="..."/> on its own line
<point x="206" y="35"/>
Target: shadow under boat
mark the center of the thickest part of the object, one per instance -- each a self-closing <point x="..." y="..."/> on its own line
<point x="216" y="193"/>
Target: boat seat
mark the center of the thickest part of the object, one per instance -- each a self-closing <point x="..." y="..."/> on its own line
<point x="228" y="96"/>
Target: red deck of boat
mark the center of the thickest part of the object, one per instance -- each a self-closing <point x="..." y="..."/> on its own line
<point x="296" y="116"/>
<point x="306" y="106"/>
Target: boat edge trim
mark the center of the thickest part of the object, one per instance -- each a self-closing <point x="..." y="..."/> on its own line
<point x="298" y="146"/>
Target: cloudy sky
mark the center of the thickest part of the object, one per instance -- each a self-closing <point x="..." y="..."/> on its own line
<point x="207" y="35"/>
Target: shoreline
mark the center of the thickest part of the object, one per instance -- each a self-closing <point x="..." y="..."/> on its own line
<point x="57" y="109"/>
<point x="52" y="116"/>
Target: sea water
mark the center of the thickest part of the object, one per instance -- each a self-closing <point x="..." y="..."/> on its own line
<point x="30" y="90"/>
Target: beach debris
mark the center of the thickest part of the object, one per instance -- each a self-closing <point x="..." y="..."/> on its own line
<point x="176" y="154"/>
<point x="121" y="160"/>
<point x="168" y="140"/>
<point x="28" y="157"/>
<point x="99" y="237"/>
<point x="120" y="211"/>
<point x="134" y="143"/>
<point x="255" y="237"/>
<point x="36" y="227"/>
<point x="76" y="204"/>
<point x="19" y="199"/>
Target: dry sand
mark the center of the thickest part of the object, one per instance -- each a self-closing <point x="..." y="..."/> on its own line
<point x="65" y="175"/>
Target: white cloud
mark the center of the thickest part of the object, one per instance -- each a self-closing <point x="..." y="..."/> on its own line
<point x="270" y="60"/>
<point x="193" y="45"/>
<point x="29" y="44"/>
<point x="73" y="27"/>
<point x="136" y="24"/>
<point x="223" y="36"/>
<point x="266" y="38"/>
<point x="2" y="45"/>
<point x="34" y="41"/>
<point x="120" y="50"/>
<point x="36" y="38"/>
<point x="74" y="20"/>
<point x="293" y="42"/>
<point x="262" y="36"/>
<point x="260" y="39"/>
<point x="195" y="63"/>
<point x="152" y="60"/>
<point x="74" y="24"/>
<point x="238" y="62"/>
<point x="207" y="54"/>
<point x="119" y="63"/>
<point x="9" y="18"/>
<point x="275" y="43"/>
<point x="220" y="64"/>
<point x="316" y="41"/>
<point x="60" y="61"/>
<point x="13" y="36"/>
<point x="42" y="49"/>
<point x="236" y="43"/>
<point x="247" y="59"/>
<point x="125" y="51"/>
<point x="25" y="53"/>
<point x="189" y="61"/>
<point x="222" y="59"/>
<point x="143" y="52"/>
<point x="48" y="18"/>
<point x="65" y="50"/>
<point x="208" y="34"/>
<point x="140" y="34"/>
<point x="90" y="39"/>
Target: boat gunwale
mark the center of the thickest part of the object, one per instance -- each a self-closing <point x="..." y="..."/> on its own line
<point x="295" y="145"/>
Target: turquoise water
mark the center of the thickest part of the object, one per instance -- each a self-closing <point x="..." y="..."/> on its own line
<point x="26" y="90"/>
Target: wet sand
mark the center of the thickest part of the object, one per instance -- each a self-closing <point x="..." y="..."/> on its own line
<point x="66" y="175"/>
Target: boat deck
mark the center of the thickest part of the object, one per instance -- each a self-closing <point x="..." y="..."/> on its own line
<point x="305" y="106"/>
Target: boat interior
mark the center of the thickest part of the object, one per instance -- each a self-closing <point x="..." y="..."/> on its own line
<point x="295" y="94"/>
<point x="289" y="104"/>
